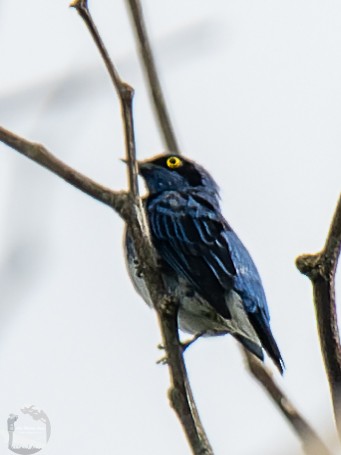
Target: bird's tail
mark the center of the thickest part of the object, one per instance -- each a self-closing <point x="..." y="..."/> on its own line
<point x="268" y="341"/>
<point x="250" y="346"/>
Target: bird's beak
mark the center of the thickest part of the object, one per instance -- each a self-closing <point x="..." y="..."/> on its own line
<point x="141" y="165"/>
<point x="145" y="166"/>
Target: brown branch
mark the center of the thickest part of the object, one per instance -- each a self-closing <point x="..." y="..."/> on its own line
<point x="124" y="91"/>
<point x="312" y="444"/>
<point x="154" y="85"/>
<point x="166" y="307"/>
<point x="180" y="393"/>
<point x="118" y="200"/>
<point x="320" y="268"/>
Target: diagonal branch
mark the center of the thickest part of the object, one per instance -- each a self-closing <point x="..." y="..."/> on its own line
<point x="154" y="85"/>
<point x="181" y="399"/>
<point x="166" y="307"/>
<point x="312" y="444"/>
<point x="118" y="200"/>
<point x="124" y="91"/>
<point x="320" y="268"/>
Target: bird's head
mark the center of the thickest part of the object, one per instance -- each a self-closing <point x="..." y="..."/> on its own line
<point x="174" y="172"/>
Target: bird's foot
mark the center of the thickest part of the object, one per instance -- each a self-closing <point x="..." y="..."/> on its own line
<point x="186" y="344"/>
<point x="183" y="345"/>
<point x="163" y="360"/>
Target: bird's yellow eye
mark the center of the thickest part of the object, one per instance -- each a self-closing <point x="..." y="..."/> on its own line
<point x="173" y="162"/>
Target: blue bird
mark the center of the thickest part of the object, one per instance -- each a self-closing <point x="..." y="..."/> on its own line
<point x="203" y="262"/>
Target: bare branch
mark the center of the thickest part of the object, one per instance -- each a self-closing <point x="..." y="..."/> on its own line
<point x="320" y="268"/>
<point x="154" y="85"/>
<point x="180" y="393"/>
<point x="82" y="7"/>
<point x="124" y="91"/>
<point x="118" y="200"/>
<point x="166" y="307"/>
<point x="312" y="444"/>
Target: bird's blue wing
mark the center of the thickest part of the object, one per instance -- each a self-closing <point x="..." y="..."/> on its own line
<point x="249" y="286"/>
<point x="189" y="236"/>
<point x="196" y="241"/>
<point x="248" y="283"/>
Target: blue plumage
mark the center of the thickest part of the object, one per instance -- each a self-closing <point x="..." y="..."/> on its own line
<point x="203" y="261"/>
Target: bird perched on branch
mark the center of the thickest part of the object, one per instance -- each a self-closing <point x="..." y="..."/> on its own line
<point x="203" y="262"/>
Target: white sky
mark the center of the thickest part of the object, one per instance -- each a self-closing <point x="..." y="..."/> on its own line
<point x="254" y="88"/>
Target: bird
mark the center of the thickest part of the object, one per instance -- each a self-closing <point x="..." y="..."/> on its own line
<point x="203" y="263"/>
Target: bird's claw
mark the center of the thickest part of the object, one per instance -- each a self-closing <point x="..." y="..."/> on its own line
<point x="162" y="361"/>
<point x="183" y="346"/>
<point x="186" y="344"/>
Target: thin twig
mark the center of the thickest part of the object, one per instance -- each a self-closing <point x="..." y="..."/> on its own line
<point x="154" y="85"/>
<point x="312" y="444"/>
<point x="166" y="307"/>
<point x="118" y="200"/>
<point x="124" y="91"/>
<point x="320" y="268"/>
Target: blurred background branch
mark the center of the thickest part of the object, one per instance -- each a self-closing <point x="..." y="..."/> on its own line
<point x="118" y="200"/>
<point x="311" y="442"/>
<point x="153" y="81"/>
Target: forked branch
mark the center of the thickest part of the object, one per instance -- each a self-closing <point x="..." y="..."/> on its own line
<point x="118" y="200"/>
<point x="129" y="207"/>
<point x="166" y="307"/>
<point x="320" y="268"/>
<point x="124" y="91"/>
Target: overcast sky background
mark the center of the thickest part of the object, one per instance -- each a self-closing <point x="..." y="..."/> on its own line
<point x="254" y="90"/>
